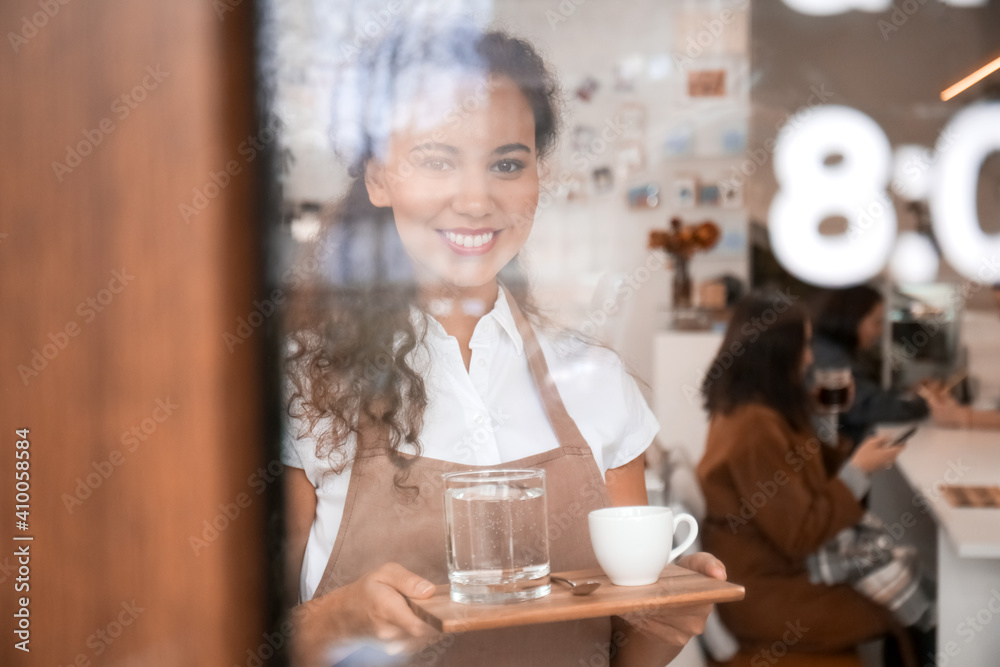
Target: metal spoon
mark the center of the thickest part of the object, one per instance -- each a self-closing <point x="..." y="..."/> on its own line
<point x="578" y="587"/>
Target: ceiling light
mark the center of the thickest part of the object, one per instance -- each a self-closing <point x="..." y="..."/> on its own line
<point x="973" y="78"/>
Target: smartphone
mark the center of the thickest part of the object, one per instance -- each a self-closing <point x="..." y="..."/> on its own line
<point x="903" y="437"/>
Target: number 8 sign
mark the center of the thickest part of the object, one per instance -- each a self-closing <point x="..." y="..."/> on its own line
<point x="812" y="188"/>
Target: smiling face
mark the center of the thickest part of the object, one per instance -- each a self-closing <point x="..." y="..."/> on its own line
<point x="463" y="192"/>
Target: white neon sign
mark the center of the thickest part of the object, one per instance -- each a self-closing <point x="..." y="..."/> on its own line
<point x="914" y="260"/>
<point x="970" y="137"/>
<point x="831" y="7"/>
<point x="811" y="188"/>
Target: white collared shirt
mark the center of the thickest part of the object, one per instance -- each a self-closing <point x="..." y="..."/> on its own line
<point x="490" y="414"/>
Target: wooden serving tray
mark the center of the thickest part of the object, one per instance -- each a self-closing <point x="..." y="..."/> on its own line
<point x="677" y="587"/>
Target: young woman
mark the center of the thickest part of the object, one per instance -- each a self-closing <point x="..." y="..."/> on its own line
<point x="774" y="494"/>
<point x="849" y="323"/>
<point x="419" y="352"/>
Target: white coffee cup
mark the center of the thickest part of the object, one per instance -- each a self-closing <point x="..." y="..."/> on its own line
<point x="633" y="544"/>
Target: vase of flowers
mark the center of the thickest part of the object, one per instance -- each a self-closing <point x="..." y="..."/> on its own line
<point x="681" y="242"/>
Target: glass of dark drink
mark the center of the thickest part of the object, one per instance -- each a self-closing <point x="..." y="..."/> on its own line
<point x="833" y="389"/>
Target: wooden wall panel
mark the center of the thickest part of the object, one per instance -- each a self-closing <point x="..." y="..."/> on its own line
<point x="148" y="353"/>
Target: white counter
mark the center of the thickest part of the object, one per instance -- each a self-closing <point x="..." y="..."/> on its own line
<point x="681" y="361"/>
<point x="936" y="457"/>
<point x="968" y="540"/>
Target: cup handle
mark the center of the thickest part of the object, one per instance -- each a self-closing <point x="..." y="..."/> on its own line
<point x="692" y="534"/>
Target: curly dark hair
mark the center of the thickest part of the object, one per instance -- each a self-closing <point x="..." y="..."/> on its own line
<point x="760" y="360"/>
<point x="350" y="323"/>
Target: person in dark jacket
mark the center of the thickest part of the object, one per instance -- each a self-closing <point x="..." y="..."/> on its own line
<point x="848" y="323"/>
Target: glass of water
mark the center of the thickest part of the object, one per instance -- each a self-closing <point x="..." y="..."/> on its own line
<point x="497" y="536"/>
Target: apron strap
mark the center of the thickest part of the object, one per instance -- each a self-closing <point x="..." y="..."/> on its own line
<point x="565" y="428"/>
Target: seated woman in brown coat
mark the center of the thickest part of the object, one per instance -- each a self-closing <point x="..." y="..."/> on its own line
<point x="775" y="495"/>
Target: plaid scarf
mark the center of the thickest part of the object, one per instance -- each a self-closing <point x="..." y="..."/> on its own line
<point x="866" y="557"/>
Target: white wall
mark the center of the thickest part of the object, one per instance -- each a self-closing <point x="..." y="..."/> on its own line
<point x="579" y="250"/>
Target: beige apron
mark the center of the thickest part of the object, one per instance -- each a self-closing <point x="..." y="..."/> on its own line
<point x="381" y="525"/>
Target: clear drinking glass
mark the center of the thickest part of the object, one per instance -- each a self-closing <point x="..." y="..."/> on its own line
<point x="834" y="388"/>
<point x="497" y="536"/>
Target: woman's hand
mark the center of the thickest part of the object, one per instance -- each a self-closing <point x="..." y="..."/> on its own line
<point x="874" y="454"/>
<point x="945" y="411"/>
<point x="373" y="607"/>
<point x="929" y="386"/>
<point x="655" y="637"/>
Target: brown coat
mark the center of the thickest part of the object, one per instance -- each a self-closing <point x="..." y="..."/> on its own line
<point x="772" y="501"/>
